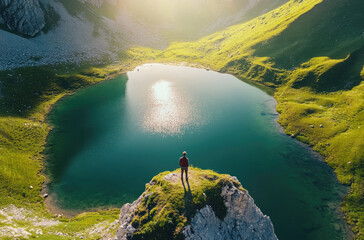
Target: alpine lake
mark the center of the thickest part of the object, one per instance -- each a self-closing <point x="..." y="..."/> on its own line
<point x="110" y="139"/>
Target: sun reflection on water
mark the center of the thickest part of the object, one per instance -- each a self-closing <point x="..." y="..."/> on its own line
<point x="162" y="92"/>
<point x="169" y="112"/>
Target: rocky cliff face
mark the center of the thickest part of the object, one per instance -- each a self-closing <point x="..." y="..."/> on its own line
<point x="127" y="213"/>
<point x="243" y="219"/>
<point x="22" y="16"/>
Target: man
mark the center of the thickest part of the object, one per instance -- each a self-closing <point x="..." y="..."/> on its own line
<point x="183" y="163"/>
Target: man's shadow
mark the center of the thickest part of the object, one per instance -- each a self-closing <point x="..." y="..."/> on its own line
<point x="189" y="205"/>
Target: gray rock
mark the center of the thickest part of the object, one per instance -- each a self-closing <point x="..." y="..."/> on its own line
<point x="243" y="220"/>
<point x="127" y="213"/>
<point x="22" y="16"/>
<point x="99" y="3"/>
<point x="172" y="177"/>
<point x="96" y="3"/>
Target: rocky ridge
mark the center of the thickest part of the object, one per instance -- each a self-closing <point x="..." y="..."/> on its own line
<point x="24" y="17"/>
<point x="243" y="219"/>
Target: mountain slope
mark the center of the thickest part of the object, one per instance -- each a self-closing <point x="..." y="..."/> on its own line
<point x="233" y="47"/>
<point x="94" y="31"/>
<point x="333" y="29"/>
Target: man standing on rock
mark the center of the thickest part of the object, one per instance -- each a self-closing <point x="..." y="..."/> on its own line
<point x="183" y="163"/>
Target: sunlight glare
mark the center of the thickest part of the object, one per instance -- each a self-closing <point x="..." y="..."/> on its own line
<point x="162" y="92"/>
<point x="168" y="113"/>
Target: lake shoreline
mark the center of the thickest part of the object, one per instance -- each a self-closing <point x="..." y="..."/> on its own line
<point x="49" y="201"/>
<point x="52" y="208"/>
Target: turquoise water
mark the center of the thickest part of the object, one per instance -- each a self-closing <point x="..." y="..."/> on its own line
<point x="112" y="138"/>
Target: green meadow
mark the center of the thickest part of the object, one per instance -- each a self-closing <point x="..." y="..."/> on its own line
<point x="319" y="90"/>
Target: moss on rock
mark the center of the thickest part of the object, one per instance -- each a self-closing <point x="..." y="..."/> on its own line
<point x="167" y="205"/>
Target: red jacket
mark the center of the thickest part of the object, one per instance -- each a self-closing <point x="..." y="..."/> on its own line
<point x="183" y="162"/>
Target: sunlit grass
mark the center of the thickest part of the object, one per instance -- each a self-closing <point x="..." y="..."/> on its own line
<point x="234" y="44"/>
<point x="169" y="208"/>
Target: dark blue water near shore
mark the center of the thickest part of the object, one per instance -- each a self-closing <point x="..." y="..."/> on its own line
<point x="112" y="138"/>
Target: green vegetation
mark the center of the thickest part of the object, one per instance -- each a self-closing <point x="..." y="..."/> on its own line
<point x="27" y="95"/>
<point x="320" y="99"/>
<point x="333" y="29"/>
<point x="231" y="49"/>
<point x="317" y="80"/>
<point x="168" y="207"/>
<point x="37" y="224"/>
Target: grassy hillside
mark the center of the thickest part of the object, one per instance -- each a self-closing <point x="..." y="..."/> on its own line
<point x="311" y="53"/>
<point x="27" y="95"/>
<point x="333" y="29"/>
<point x="173" y="20"/>
<point x="231" y="49"/>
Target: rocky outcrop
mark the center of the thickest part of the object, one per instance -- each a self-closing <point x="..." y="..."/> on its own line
<point x="99" y="3"/>
<point x="243" y="219"/>
<point x="22" y="16"/>
<point x="127" y="213"/>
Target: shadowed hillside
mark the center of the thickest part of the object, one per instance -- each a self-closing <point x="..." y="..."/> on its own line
<point x="342" y="74"/>
<point x="332" y="28"/>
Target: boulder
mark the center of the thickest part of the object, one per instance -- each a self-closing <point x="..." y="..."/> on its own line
<point x="244" y="220"/>
<point x="25" y="17"/>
